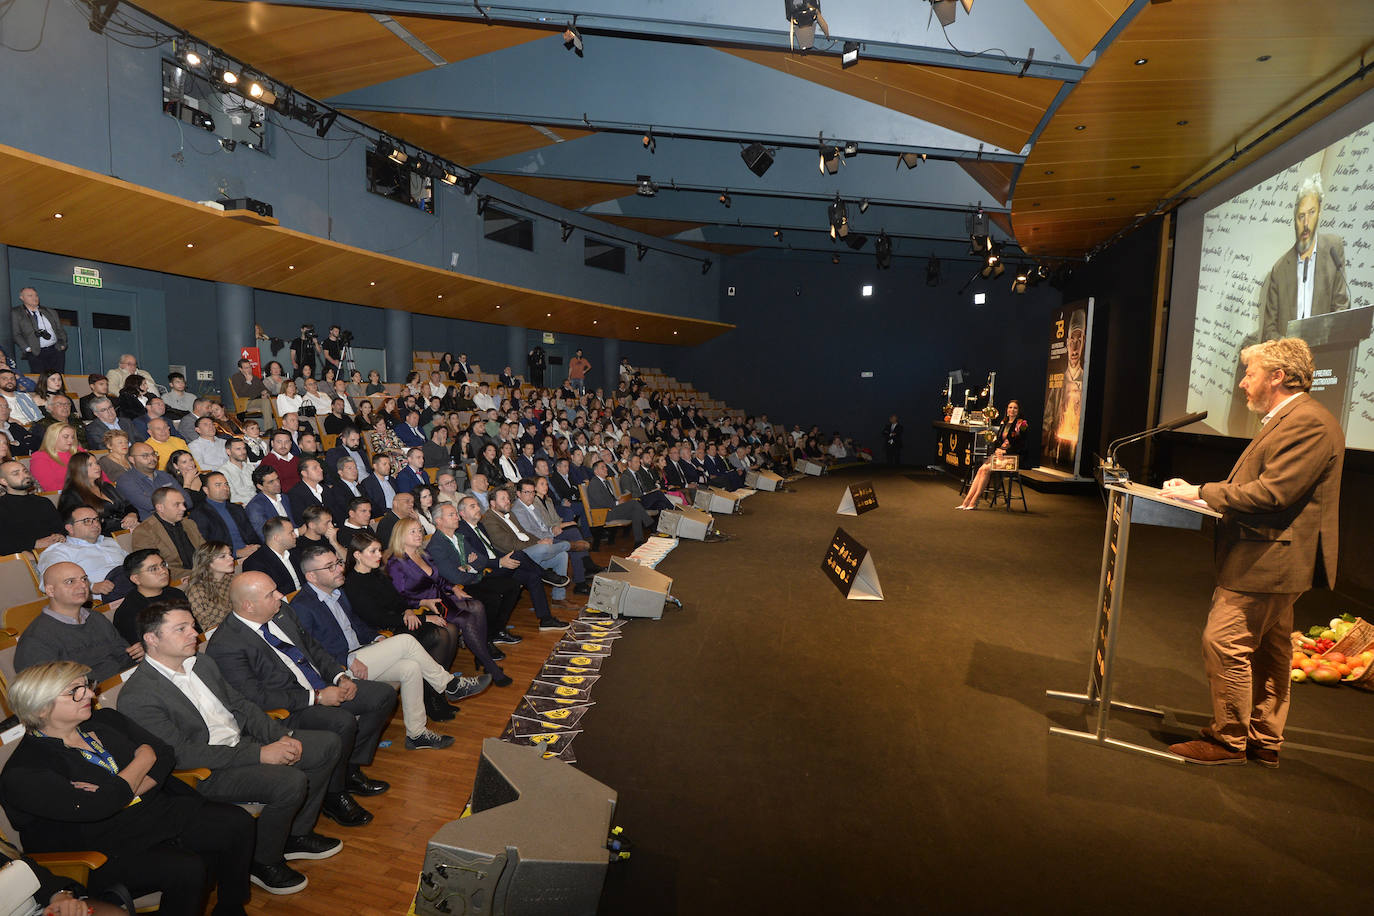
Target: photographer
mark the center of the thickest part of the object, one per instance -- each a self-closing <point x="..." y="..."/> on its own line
<point x="333" y="347"/>
<point x="303" y="349"/>
<point x="38" y="335"/>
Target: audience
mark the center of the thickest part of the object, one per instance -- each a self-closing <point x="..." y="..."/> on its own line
<point x="66" y="630"/>
<point x="31" y="521"/>
<point x="148" y="572"/>
<point x="169" y="532"/>
<point x="207" y="585"/>
<point x="85" y="486"/>
<point x="100" y="557"/>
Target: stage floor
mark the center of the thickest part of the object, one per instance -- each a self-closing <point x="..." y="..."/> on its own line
<point x="778" y="749"/>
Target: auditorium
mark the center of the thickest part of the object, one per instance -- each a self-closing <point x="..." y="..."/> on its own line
<point x="555" y="460"/>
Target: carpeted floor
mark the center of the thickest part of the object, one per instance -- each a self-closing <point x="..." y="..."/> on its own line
<point x="780" y="750"/>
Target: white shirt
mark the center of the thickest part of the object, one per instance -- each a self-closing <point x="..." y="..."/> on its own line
<point x="43" y="324"/>
<point x="22" y="408"/>
<point x="508" y="468"/>
<point x="1277" y="407"/>
<point x="287" y="404"/>
<point x="290" y="567"/>
<point x="240" y="477"/>
<point x="279" y="503"/>
<point x="1307" y="282"/>
<point x="484" y="402"/>
<point x="223" y="727"/>
<point x="285" y="659"/>
<point x="510" y="523"/>
<point x="96" y="560"/>
<point x="209" y="453"/>
<point x="322" y="402"/>
<point x="437" y="391"/>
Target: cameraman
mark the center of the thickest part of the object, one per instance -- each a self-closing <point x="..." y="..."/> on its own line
<point x="38" y="335"/>
<point x="303" y="350"/>
<point x="333" y="347"/>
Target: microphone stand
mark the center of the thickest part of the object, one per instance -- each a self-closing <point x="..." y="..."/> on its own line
<point x="1114" y="473"/>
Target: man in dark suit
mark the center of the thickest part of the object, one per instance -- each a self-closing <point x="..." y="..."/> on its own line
<point x="379" y="487"/>
<point x="449" y="553"/>
<point x="266" y="656"/>
<point x="310" y="491"/>
<point x="100" y="388"/>
<point x="892" y="441"/>
<point x="483" y="557"/>
<point x="1309" y="278"/>
<point x="402" y="507"/>
<point x="349" y="445"/>
<point x="601" y="495"/>
<point x="38" y="334"/>
<point x="274" y="560"/>
<point x="104" y="421"/>
<point x="1276" y="538"/>
<point x="409" y="432"/>
<point x="269" y="503"/>
<point x="220" y="520"/>
<point x="413" y="475"/>
<point x="343" y="491"/>
<point x="182" y="698"/>
<point x="358" y="518"/>
<point x="642" y="484"/>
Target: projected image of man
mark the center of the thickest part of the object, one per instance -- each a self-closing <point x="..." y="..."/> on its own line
<point x="1309" y="279"/>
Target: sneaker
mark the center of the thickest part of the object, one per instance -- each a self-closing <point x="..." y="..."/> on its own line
<point x="506" y="638"/>
<point x="428" y="741"/>
<point x="553" y="579"/>
<point x="552" y="625"/>
<point x="462" y="687"/>
<point x="279" y="878"/>
<point x="311" y="846"/>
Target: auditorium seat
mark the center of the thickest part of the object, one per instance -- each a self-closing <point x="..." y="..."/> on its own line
<point x="18" y="579"/>
<point x="18" y="616"/>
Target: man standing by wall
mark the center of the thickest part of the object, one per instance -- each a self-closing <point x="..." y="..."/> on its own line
<point x="578" y="367"/>
<point x="1277" y="535"/>
<point x="38" y="334"/>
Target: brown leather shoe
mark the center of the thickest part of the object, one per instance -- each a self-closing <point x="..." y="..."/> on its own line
<point x="1264" y="756"/>
<point x="1207" y="753"/>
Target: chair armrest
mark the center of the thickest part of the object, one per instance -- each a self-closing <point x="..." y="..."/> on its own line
<point x="192" y="777"/>
<point x="76" y="866"/>
<point x="278" y="713"/>
<point x="597" y="517"/>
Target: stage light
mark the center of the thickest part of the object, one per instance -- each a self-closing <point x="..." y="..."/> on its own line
<point x="945" y="10"/>
<point x="227" y="144"/>
<point x="830" y="159"/>
<point x="1018" y="283"/>
<point x="863" y="205"/>
<point x="646" y="186"/>
<point x="910" y="160"/>
<point x="255" y="89"/>
<point x="388" y="150"/>
<point x="567" y="229"/>
<point x="758" y="157"/>
<point x="649" y="142"/>
<point x="803" y="15"/>
<point x="326" y="122"/>
<point x="933" y="271"/>
<point x="572" y="39"/>
<point x="882" y="250"/>
<point x="993" y="266"/>
<point x="482" y="204"/>
<point x="725" y="199"/>
<point x="777" y="233"/>
<point x="850" y="57"/>
<point x="705" y="268"/>
<point x="839" y="218"/>
<point x="856" y="240"/>
<point x="851" y="149"/>
<point x="448" y="178"/>
<point x="468" y="182"/>
<point x="228" y="77"/>
<point x="192" y="58"/>
<point x="640" y="251"/>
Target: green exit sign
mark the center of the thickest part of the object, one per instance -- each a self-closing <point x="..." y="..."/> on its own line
<point x="86" y="276"/>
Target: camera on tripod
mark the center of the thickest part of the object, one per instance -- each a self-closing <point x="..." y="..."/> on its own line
<point x="346" y="338"/>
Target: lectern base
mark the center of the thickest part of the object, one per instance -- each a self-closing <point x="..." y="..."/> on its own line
<point x="1101" y="737"/>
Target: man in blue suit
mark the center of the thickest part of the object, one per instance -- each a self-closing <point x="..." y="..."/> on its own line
<point x="269" y="503"/>
<point x="379" y="488"/>
<point x="413" y="475"/>
<point x="325" y="613"/>
<point x="524" y="462"/>
<point x="409" y="432"/>
<point x="220" y="520"/>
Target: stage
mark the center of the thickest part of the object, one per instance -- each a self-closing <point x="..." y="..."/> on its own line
<point x="778" y="749"/>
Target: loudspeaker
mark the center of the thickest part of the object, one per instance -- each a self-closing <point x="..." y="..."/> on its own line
<point x="534" y="844"/>
<point x="762" y="480"/>
<point x="757" y="157"/>
<point x="247" y="203"/>
<point x="627" y="589"/>
<point x="718" y="500"/>
<point x="809" y="467"/>
<point x="692" y="524"/>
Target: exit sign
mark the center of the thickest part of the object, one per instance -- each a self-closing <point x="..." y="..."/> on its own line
<point x="86" y="276"/>
<point x="548" y="337"/>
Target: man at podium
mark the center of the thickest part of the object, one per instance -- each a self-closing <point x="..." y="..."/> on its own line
<point x="1309" y="278"/>
<point x="1277" y="536"/>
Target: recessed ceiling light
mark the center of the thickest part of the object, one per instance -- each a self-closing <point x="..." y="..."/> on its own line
<point x="441" y="295"/>
<point x="190" y="245"/>
<point x="1181" y="122"/>
<point x="593" y="321"/>
<point x="498" y="306"/>
<point x="1263" y="57"/>
<point x="1111" y="198"/>
<point x="548" y="314"/>
<point x="1036" y="204"/>
<point x="1141" y="61"/>
<point x="675" y="333"/>
<point x="290" y="266"/>
<point x="636" y="327"/>
<point x="373" y="283"/>
<point x="57" y="216"/>
<point x="1080" y="127"/>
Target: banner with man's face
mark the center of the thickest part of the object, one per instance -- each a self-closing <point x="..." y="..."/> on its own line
<point x="1065" y="384"/>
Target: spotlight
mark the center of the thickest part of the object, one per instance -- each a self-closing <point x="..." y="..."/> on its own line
<point x="206" y="122"/>
<point x="649" y="142"/>
<point x="1018" y="283"/>
<point x="567" y="229"/>
<point x="993" y="266"/>
<point x="839" y="219"/>
<point x="882" y="248"/>
<point x="777" y="233"/>
<point x="482" y="204"/>
<point x="389" y="150"/>
<point x="448" y="178"/>
<point x="758" y="157"/>
<point x="850" y="57"/>
<point x="1038" y="274"/>
<point x="192" y="58"/>
<point x="804" y="16"/>
<point x="705" y="267"/>
<point x="326" y="122"/>
<point x="646" y="187"/>
<point x="856" y="241"/>
<point x="851" y="149"/>
<point x="910" y="160"/>
<point x="468" y="182"/>
<point x="725" y="199"/>
<point x="572" y="39"/>
<point x="227" y="144"/>
<point x="933" y="271"/>
<point x="640" y="251"/>
<point x="228" y="77"/>
<point x="830" y="159"/>
<point x="863" y="205"/>
<point x="945" y="10"/>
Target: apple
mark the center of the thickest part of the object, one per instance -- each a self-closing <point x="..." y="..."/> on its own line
<point x="1325" y="674"/>
<point x="1297" y="675"/>
<point x="1356" y="673"/>
<point x="1335" y="658"/>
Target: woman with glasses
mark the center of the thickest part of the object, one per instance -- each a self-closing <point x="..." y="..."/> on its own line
<point x="86" y="779"/>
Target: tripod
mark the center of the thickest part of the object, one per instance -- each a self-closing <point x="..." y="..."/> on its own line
<point x="346" y="363"/>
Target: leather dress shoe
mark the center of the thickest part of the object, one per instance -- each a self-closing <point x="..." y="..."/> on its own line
<point x="311" y="846"/>
<point x="582" y="588"/>
<point x="343" y="810"/>
<point x="278" y="878"/>
<point x="1208" y="753"/>
<point x="1264" y="756"/>
<point x="358" y="783"/>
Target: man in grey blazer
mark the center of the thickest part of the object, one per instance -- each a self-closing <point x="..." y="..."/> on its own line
<point x="1309" y="279"/>
<point x="38" y="334"/>
<point x="184" y="700"/>
<point x="1277" y="537"/>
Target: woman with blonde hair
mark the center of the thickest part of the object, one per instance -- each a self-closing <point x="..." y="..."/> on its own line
<point x="49" y="462"/>
<point x="116" y="461"/>
<point x="289" y="401"/>
<point x="207" y="585"/>
<point x="415" y="577"/>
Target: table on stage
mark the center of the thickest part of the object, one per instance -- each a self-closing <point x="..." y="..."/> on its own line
<point x="958" y="448"/>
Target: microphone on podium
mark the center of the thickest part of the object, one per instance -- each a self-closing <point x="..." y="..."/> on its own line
<point x="1109" y="464"/>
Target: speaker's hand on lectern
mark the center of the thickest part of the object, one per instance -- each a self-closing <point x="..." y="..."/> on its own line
<point x="1178" y="488"/>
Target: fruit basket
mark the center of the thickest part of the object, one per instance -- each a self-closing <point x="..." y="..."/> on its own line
<point x="1342" y="652"/>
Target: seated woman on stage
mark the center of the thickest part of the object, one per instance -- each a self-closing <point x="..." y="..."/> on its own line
<point x="1012" y="439"/>
<point x="83" y="779"/>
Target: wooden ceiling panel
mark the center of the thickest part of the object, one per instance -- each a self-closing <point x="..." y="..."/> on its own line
<point x="466" y="141"/>
<point x="165" y="233"/>
<point x="453" y="40"/>
<point x="661" y="228"/>
<point x="1078" y="24"/>
<point x="994" y="107"/>
<point x="721" y="248"/>
<point x="564" y="192"/>
<point x="995" y="177"/>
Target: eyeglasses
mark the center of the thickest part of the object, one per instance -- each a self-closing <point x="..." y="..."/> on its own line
<point x="86" y="521"/>
<point x="159" y="566"/>
<point x="328" y="566"/>
<point x="79" y="692"/>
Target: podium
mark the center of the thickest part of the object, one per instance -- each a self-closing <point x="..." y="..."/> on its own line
<point x="1129" y="503"/>
<point x="1335" y="340"/>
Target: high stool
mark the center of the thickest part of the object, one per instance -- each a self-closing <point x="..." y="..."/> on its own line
<point x="1003" y="483"/>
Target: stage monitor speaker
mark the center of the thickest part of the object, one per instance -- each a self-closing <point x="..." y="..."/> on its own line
<point x="534" y="844"/>
<point x="718" y="500"/>
<point x="628" y="589"/>
<point x="692" y="524"/>
<point x="762" y="480"/>
<point x="259" y="207"/>
<point x="809" y="467"/>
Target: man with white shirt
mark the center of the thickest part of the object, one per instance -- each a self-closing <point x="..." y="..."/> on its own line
<point x="528" y="514"/>
<point x="340" y="393"/>
<point x="182" y="698"/>
<point x="480" y="491"/>
<point x="436" y="388"/>
<point x="483" y="400"/>
<point x="358" y="517"/>
<point x="207" y="448"/>
<point x="238" y="470"/>
<point x="100" y="557"/>
<point x="311" y="490"/>
<point x="278" y="537"/>
<point x="22" y="408"/>
<point x="379" y="487"/>
<point x="347" y="447"/>
<point x="325" y="613"/>
<point x="269" y="503"/>
<point x="344" y="490"/>
<point x="316" y="398"/>
<point x="508" y="535"/>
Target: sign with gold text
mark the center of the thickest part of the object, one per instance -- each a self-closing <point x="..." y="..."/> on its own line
<point x="858" y="498"/>
<point x="850" y="567"/>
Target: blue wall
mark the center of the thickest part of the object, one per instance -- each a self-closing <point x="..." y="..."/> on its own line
<point x="84" y="99"/>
